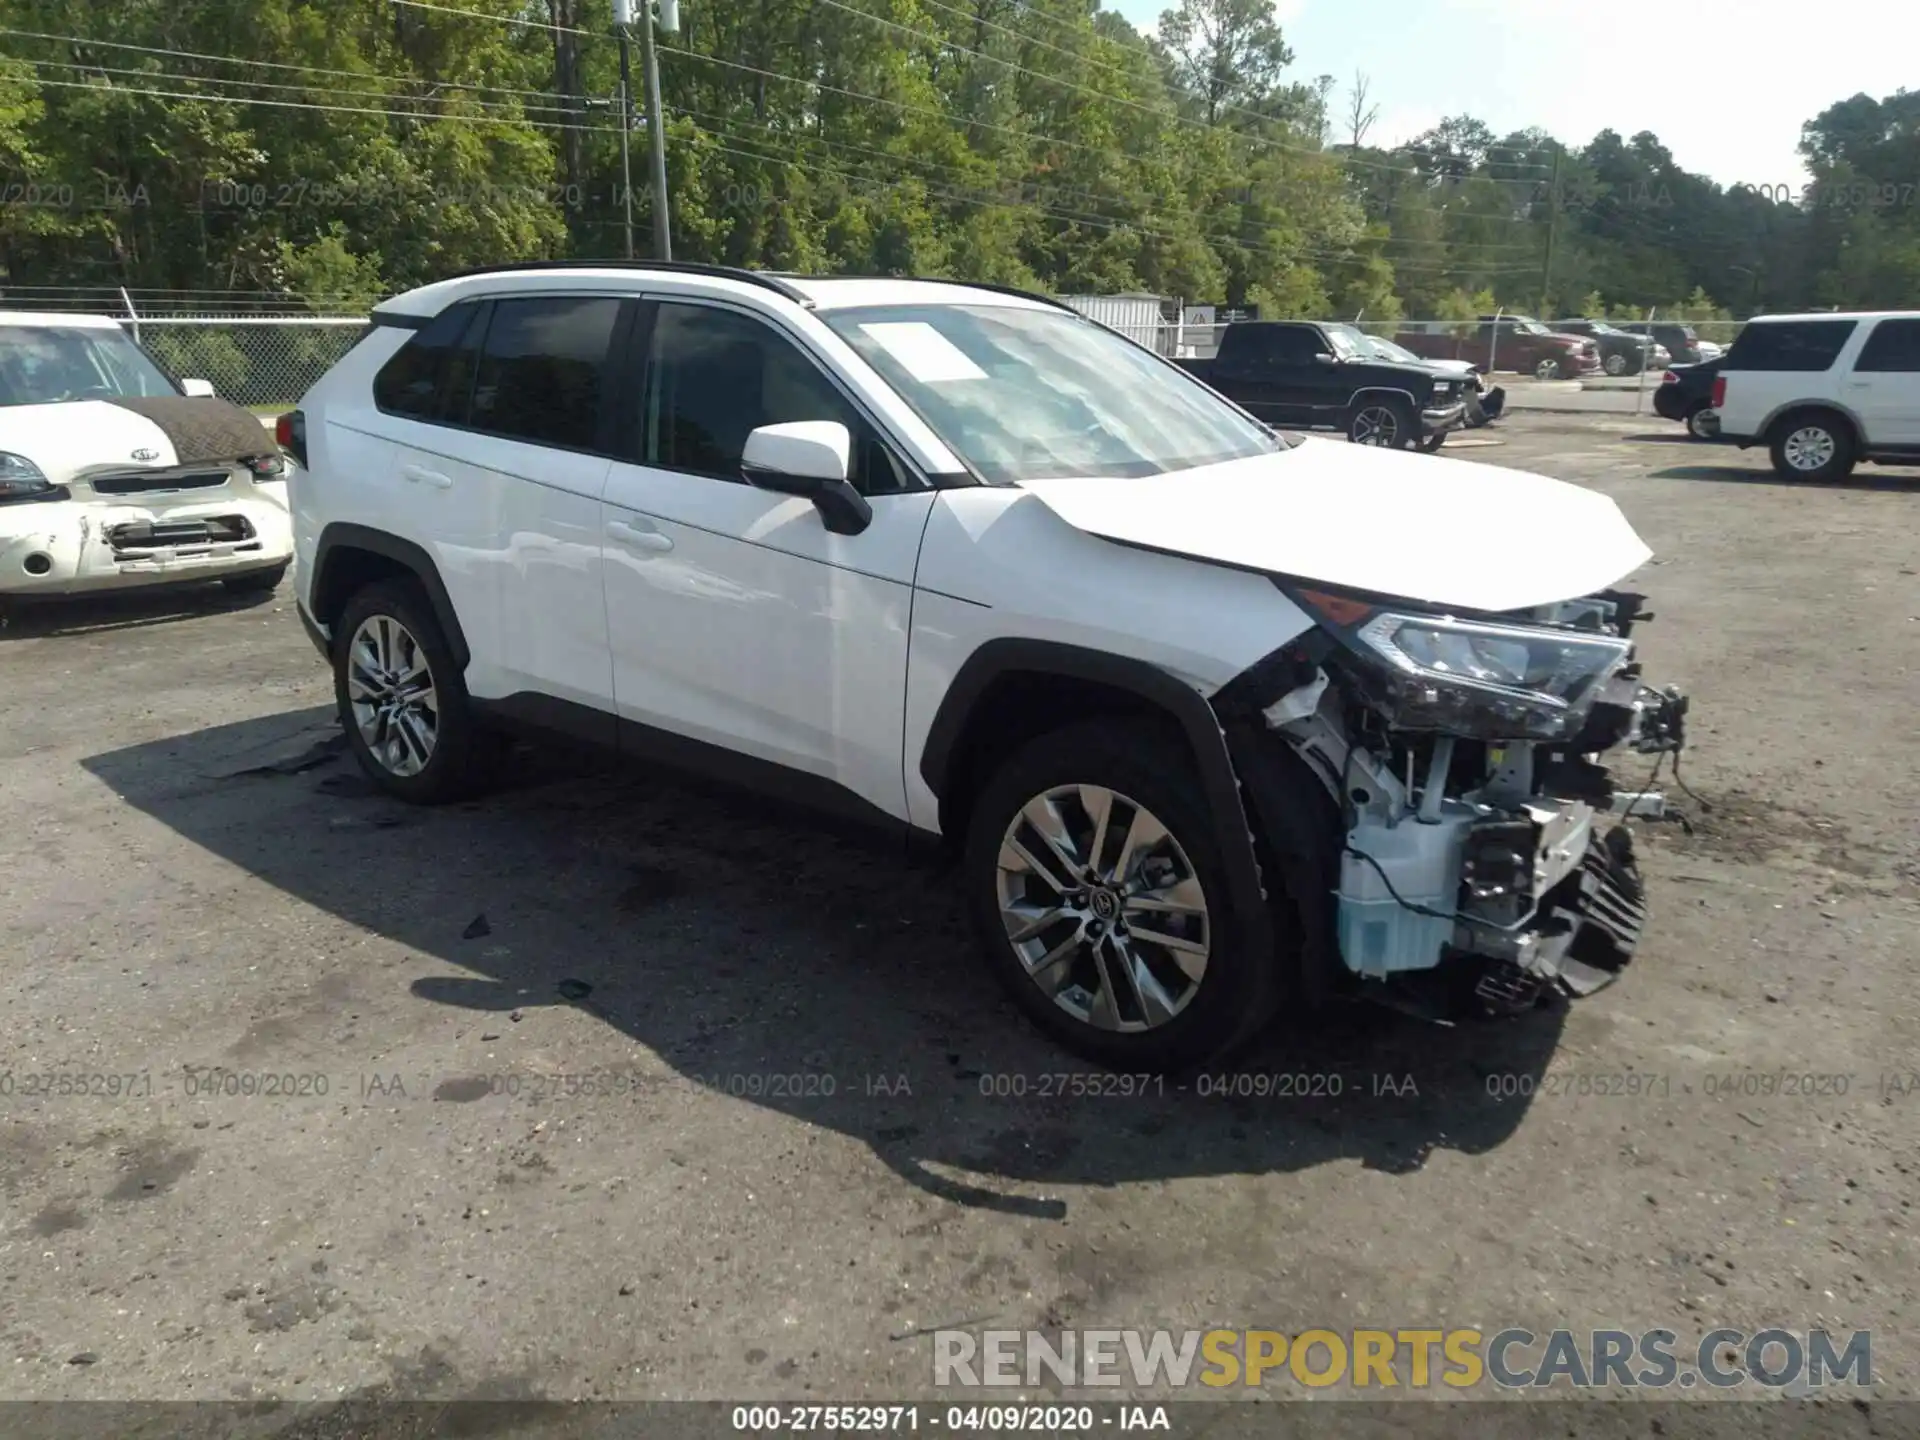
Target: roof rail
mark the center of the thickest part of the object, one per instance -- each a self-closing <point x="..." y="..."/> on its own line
<point x="931" y="280"/>
<point x="674" y="267"/>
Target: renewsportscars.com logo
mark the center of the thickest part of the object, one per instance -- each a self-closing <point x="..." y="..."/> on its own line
<point x="1458" y="1359"/>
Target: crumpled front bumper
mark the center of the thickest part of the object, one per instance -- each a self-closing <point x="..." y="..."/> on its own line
<point x="79" y="546"/>
<point x="1440" y="419"/>
<point x="1548" y="893"/>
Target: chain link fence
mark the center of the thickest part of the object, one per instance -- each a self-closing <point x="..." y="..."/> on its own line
<point x="265" y="363"/>
<point x="269" y="362"/>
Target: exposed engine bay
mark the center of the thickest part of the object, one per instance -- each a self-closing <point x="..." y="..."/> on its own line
<point x="1480" y="845"/>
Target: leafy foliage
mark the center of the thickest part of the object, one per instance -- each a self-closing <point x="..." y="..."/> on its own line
<point x="329" y="151"/>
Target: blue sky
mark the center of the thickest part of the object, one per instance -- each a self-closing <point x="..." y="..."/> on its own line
<point x="1725" y="84"/>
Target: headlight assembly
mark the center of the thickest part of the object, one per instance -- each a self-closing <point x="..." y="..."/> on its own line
<point x="20" y="477"/>
<point x="1471" y="678"/>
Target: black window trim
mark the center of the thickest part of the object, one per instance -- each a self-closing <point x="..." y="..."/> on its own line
<point x="633" y="369"/>
<point x="605" y="422"/>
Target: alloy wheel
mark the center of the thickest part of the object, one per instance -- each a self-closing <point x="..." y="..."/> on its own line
<point x="1547" y="370"/>
<point x="1616" y="365"/>
<point x="1375" y="425"/>
<point x="1809" y="448"/>
<point x="1103" y="907"/>
<point x="390" y="690"/>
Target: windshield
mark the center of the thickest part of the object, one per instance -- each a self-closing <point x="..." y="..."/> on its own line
<point x="1387" y="350"/>
<point x="1348" y="343"/>
<point x="1025" y="394"/>
<point x="41" y="364"/>
<point x="1531" y="327"/>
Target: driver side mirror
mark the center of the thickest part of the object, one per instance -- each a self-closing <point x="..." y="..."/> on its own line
<point x="809" y="458"/>
<point x="197" y="389"/>
<point x="1323" y="358"/>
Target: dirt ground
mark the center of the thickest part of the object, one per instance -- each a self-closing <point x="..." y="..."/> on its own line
<point x="605" y="1087"/>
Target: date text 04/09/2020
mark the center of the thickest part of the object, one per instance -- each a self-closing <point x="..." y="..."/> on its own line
<point x="908" y="1419"/>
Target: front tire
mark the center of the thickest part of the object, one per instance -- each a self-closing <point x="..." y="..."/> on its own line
<point x="1386" y="422"/>
<point x="1813" y="446"/>
<point x="403" y="702"/>
<point x="1547" y="370"/>
<point x="1100" y="899"/>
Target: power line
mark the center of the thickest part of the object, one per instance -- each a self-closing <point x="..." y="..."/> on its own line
<point x="428" y="116"/>
<point x="508" y="109"/>
<point x="267" y="64"/>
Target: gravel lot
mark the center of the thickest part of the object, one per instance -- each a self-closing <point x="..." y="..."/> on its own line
<point x="607" y="1087"/>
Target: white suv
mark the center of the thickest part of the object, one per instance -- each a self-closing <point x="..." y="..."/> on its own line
<point x="1824" y="391"/>
<point x="1214" y="719"/>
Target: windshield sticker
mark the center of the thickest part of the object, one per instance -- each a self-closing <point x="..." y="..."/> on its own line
<point x="928" y="356"/>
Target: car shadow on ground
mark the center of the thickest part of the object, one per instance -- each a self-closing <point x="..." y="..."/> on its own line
<point x="1730" y="475"/>
<point x="46" y="617"/>
<point x="824" y="978"/>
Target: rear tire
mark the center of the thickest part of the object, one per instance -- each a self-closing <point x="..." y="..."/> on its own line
<point x="1119" y="939"/>
<point x="1615" y="365"/>
<point x="1813" y="445"/>
<point x="255" y="582"/>
<point x="1383" y="421"/>
<point x="1696" y="422"/>
<point x="403" y="701"/>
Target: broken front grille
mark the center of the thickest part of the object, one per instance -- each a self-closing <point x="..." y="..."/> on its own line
<point x="143" y="537"/>
<point x="154" y="484"/>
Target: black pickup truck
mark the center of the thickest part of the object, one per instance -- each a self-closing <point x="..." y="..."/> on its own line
<point x="1295" y="374"/>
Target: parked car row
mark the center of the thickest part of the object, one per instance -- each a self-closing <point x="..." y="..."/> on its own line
<point x="1505" y="343"/>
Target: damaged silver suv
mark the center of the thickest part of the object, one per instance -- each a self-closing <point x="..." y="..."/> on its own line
<point x="1214" y="721"/>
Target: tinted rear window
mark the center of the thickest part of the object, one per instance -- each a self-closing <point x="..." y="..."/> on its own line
<point x="1803" y="345"/>
<point x="412" y="382"/>
<point x="543" y="369"/>
<point x="1894" y="347"/>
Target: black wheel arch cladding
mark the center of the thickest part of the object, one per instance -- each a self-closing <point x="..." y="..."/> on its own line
<point x="340" y="540"/>
<point x="1199" y="720"/>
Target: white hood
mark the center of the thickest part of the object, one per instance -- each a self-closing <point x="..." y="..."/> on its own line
<point x="1446" y="532"/>
<point x="70" y="437"/>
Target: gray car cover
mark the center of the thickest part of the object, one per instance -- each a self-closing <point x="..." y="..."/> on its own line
<point x="202" y="429"/>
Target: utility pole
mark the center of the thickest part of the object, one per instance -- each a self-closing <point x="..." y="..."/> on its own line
<point x="1553" y="227"/>
<point x="623" y="15"/>
<point x="626" y="127"/>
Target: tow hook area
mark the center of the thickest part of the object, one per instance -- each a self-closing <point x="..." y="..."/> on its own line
<point x="1590" y="927"/>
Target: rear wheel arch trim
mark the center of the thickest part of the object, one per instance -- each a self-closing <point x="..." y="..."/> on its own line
<point x="342" y="536"/>
<point x="1206" y="741"/>
<point x="1816" y="407"/>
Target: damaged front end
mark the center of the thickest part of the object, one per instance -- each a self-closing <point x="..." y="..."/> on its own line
<point x="1478" y="857"/>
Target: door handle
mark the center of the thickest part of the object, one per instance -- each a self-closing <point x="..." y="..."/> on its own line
<point x="639" y="539"/>
<point x="420" y="475"/>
